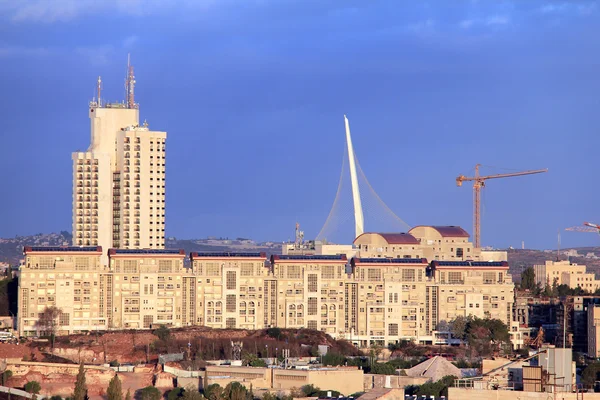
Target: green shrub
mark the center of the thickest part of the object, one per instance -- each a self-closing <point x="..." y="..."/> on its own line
<point x="150" y="393"/>
<point x="32" y="387"/>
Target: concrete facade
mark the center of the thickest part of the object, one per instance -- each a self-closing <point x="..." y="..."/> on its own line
<point x="564" y="272"/>
<point x="382" y="300"/>
<point x="119" y="182"/>
<point x="345" y="380"/>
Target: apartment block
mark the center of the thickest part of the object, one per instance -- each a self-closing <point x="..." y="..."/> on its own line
<point x="443" y="243"/>
<point x="478" y="288"/>
<point x="390" y="300"/>
<point x="66" y="277"/>
<point x="227" y="290"/>
<point x="119" y="182"/>
<point x="147" y="288"/>
<point x="367" y="301"/>
<point x="310" y="291"/>
<point x="558" y="272"/>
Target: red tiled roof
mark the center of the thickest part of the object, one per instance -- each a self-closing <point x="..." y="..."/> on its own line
<point x="394" y="238"/>
<point x="447" y="231"/>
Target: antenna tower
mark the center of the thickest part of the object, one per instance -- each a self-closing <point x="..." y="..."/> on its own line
<point x="99" y="90"/>
<point x="130" y="84"/>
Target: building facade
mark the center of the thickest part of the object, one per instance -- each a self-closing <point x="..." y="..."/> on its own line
<point x="564" y="272"/>
<point x="442" y="243"/>
<point x="119" y="182"/>
<point x="369" y="301"/>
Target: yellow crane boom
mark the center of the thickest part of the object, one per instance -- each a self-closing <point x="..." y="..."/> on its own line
<point x="478" y="184"/>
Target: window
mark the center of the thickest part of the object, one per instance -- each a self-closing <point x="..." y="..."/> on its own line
<point x="408" y="275"/>
<point x="230" y="303"/>
<point x="489" y="277"/>
<point x="213" y="269"/>
<point x="246" y="269"/>
<point x="231" y="280"/>
<point x="312" y="325"/>
<point x="312" y="284"/>
<point x="148" y="319"/>
<point x="374" y="274"/>
<point x="63" y="319"/>
<point x="230" y="323"/>
<point x="393" y="329"/>
<point x="294" y="272"/>
<point x="312" y="306"/>
<point x="328" y="272"/>
<point x="455" y="277"/>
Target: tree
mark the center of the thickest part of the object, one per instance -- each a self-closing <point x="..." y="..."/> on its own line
<point x="6" y="376"/>
<point x="458" y="327"/>
<point x="32" y="387"/>
<point x="235" y="391"/>
<point x="163" y="333"/>
<point x="310" y="390"/>
<point x="128" y="395"/>
<point x="80" y="392"/>
<point x="213" y="392"/>
<point x="48" y="322"/>
<point x="528" y="279"/>
<point x="175" y="394"/>
<point x="190" y="393"/>
<point x="274" y="332"/>
<point x="333" y="359"/>
<point x="56" y="397"/>
<point x="115" y="391"/>
<point x="383" y="369"/>
<point x="590" y="374"/>
<point x="252" y="360"/>
<point x="150" y="393"/>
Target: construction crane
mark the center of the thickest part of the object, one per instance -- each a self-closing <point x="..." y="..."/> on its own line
<point x="586" y="227"/>
<point x="478" y="184"/>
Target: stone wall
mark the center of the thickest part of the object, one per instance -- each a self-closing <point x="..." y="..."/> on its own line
<point x="460" y="393"/>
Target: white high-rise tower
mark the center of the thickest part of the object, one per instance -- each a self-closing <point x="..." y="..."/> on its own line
<point x="359" y="222"/>
<point x="119" y="182"/>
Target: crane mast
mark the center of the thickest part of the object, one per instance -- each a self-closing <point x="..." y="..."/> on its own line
<point x="478" y="184"/>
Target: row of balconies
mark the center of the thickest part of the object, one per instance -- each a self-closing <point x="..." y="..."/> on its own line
<point x="89" y="170"/>
<point x="87" y="176"/>
<point x="87" y="206"/>
<point x="87" y="191"/>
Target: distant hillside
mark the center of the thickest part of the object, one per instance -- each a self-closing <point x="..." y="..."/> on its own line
<point x="11" y="249"/>
<point x="521" y="259"/>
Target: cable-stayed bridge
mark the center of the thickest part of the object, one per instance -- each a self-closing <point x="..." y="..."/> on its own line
<point x="357" y="206"/>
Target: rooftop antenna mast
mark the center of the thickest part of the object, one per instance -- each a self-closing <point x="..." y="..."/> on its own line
<point x="99" y="90"/>
<point x="130" y="84"/>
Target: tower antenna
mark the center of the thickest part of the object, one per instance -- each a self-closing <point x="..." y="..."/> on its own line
<point x="99" y="90"/>
<point x="130" y="84"/>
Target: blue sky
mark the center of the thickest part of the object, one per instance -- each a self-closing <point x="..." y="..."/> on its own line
<point x="252" y="94"/>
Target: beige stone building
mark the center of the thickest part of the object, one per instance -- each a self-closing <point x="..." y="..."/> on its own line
<point x="346" y="380"/>
<point x="145" y="288"/>
<point x="443" y="243"/>
<point x="388" y="300"/>
<point x="376" y="301"/>
<point x="567" y="273"/>
<point x="478" y="288"/>
<point x="119" y="182"/>
<point x="311" y="291"/>
<point x="228" y="290"/>
<point x="66" y="277"/>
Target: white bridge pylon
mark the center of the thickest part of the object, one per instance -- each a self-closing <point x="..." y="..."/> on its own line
<point x="375" y="209"/>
